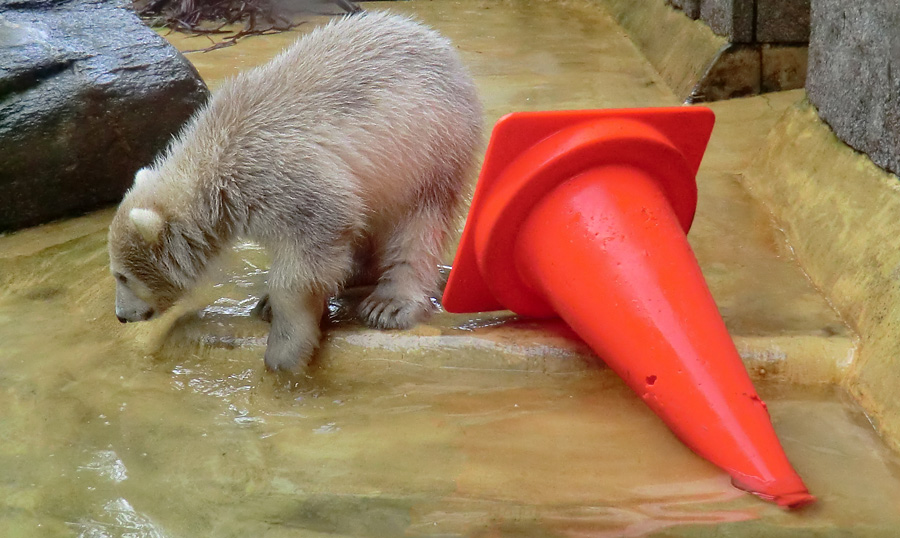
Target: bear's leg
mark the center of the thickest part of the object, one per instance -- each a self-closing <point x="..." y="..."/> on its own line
<point x="409" y="271"/>
<point x="365" y="269"/>
<point x="298" y="291"/>
<point x="263" y="309"/>
<point x="295" y="334"/>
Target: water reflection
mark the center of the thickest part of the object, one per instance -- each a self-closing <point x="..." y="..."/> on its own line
<point x="118" y="519"/>
<point x="107" y="464"/>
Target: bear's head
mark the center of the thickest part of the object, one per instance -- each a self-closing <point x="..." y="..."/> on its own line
<point x="147" y="272"/>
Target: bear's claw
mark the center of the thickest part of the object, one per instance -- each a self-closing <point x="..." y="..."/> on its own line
<point x="390" y="312"/>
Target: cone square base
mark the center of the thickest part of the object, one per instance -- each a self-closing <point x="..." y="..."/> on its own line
<point x="687" y="127"/>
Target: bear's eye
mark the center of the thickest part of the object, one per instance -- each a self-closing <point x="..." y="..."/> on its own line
<point x="121" y="278"/>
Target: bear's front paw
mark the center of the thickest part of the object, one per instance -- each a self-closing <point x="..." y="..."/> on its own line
<point x="289" y="350"/>
<point x="387" y="311"/>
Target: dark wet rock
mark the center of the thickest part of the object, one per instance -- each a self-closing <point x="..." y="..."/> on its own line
<point x="782" y="21"/>
<point x="854" y="61"/>
<point x="88" y="94"/>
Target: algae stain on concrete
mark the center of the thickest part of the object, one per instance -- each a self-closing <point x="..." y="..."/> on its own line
<point x="840" y="211"/>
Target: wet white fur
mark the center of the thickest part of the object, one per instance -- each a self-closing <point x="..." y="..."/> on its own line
<point x="352" y="144"/>
<point x="142" y="175"/>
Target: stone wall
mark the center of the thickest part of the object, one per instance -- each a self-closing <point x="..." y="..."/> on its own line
<point x="854" y="61"/>
<point x="753" y="21"/>
<point x="846" y="54"/>
<point x="767" y="45"/>
<point x="758" y="46"/>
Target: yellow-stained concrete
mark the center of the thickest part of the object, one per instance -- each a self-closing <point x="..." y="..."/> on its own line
<point x="841" y="214"/>
<point x="480" y="425"/>
<point x="681" y="49"/>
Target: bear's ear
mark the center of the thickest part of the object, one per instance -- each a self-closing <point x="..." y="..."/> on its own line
<point x="142" y="176"/>
<point x="149" y="223"/>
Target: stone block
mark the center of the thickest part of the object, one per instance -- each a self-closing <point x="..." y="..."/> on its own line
<point x="782" y="21"/>
<point x="691" y="8"/>
<point x="734" y="72"/>
<point x="730" y="18"/>
<point x="88" y="94"/>
<point x="854" y="58"/>
<point x="783" y="67"/>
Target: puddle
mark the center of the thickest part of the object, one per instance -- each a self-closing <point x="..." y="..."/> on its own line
<point x="490" y="427"/>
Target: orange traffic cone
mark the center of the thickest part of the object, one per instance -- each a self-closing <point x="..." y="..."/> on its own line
<point x="583" y="215"/>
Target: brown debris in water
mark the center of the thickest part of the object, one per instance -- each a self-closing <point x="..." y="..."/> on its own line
<point x="212" y="17"/>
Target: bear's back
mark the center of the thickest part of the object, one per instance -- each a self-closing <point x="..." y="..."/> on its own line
<point x="365" y="115"/>
<point x="380" y="94"/>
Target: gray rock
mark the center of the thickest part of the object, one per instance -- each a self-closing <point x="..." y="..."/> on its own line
<point x="854" y="61"/>
<point x="782" y="21"/>
<point x="88" y="94"/>
<point x="730" y="18"/>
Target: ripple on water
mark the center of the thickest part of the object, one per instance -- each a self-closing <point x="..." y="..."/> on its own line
<point x="118" y="519"/>
<point x="107" y="464"/>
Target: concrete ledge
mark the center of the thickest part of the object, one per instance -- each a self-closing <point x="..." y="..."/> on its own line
<point x="491" y="342"/>
<point x="840" y="213"/>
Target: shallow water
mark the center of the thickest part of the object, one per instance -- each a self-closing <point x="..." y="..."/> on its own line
<point x="466" y="426"/>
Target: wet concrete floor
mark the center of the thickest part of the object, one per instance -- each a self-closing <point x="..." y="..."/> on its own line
<point x="466" y="426"/>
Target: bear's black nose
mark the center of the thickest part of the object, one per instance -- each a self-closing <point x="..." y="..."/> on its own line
<point x="121" y="319"/>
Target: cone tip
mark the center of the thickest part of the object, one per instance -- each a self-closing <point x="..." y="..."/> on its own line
<point x="793" y="501"/>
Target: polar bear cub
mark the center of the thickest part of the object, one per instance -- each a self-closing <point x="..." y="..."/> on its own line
<point x="345" y="156"/>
